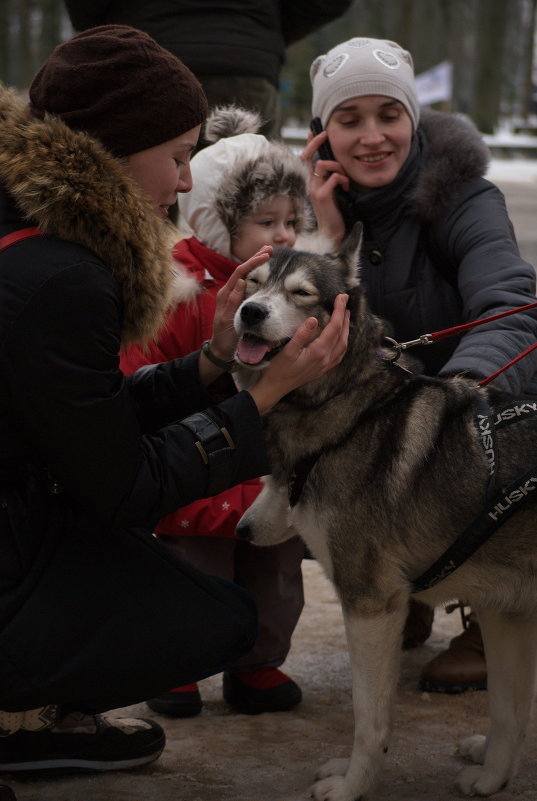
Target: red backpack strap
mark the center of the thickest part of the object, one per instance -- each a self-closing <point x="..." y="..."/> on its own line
<point x="18" y="236"/>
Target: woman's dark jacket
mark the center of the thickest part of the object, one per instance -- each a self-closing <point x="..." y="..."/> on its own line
<point x="439" y="250"/>
<point x="216" y="37"/>
<point x="81" y="445"/>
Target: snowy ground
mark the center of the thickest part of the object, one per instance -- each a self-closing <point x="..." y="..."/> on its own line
<point x="223" y="756"/>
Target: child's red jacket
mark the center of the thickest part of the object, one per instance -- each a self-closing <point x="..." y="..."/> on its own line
<point x="187" y="326"/>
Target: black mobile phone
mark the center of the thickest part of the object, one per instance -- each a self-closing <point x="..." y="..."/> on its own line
<point x="325" y="151"/>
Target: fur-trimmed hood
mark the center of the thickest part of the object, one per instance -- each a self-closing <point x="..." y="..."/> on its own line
<point x="455" y="153"/>
<point x="235" y="175"/>
<point x="71" y="187"/>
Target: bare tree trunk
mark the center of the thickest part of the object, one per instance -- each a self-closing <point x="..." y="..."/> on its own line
<point x="24" y="50"/>
<point x="492" y="20"/>
<point x="527" y="88"/>
<point x="4" y="41"/>
<point x="51" y="27"/>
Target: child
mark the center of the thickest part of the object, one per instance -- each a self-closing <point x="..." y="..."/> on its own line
<point x="246" y="193"/>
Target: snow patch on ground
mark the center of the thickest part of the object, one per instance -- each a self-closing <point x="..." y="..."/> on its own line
<point x="515" y="170"/>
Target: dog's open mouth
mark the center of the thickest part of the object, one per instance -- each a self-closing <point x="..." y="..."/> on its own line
<point x="253" y="351"/>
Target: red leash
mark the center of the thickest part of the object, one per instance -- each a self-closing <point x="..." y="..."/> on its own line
<point x="490" y="378"/>
<point x="429" y="339"/>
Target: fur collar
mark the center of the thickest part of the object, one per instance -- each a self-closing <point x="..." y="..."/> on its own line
<point x="455" y="153"/>
<point x="71" y="187"/>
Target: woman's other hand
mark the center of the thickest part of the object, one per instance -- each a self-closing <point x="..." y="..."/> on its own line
<point x="304" y="358"/>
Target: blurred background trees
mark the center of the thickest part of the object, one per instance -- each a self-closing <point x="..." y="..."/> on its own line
<point x="29" y="30"/>
<point x="489" y="43"/>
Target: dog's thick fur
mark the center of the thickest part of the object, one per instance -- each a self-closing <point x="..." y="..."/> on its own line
<point x="401" y="474"/>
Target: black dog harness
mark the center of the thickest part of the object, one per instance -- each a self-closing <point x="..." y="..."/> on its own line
<point x="500" y="505"/>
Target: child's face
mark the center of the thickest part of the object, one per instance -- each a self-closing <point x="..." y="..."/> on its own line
<point x="273" y="224"/>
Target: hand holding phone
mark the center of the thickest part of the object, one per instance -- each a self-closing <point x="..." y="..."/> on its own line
<point x="344" y="198"/>
<point x="324" y="151"/>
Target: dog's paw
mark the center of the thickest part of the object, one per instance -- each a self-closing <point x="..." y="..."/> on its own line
<point x="478" y="781"/>
<point x="333" y="788"/>
<point x="334" y="767"/>
<point x="473" y="748"/>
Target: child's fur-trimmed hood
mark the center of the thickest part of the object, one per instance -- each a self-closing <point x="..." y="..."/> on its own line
<point x="65" y="182"/>
<point x="235" y="175"/>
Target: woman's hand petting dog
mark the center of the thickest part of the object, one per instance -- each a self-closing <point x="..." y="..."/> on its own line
<point x="228" y="300"/>
<point x="304" y="358"/>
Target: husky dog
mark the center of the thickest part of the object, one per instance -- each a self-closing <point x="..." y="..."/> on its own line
<point x="379" y="471"/>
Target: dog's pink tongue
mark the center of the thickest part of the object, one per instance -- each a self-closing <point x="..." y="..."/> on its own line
<point x="252" y="351"/>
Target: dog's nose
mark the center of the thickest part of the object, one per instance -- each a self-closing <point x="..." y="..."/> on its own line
<point x="252" y="313"/>
<point x="244" y="532"/>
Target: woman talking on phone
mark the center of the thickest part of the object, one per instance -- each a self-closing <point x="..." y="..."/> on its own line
<point x="438" y="246"/>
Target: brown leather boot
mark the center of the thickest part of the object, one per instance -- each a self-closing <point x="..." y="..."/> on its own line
<point x="461" y="666"/>
<point x="418" y="625"/>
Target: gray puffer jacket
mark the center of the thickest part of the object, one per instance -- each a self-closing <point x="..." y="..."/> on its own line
<point x="439" y="250"/>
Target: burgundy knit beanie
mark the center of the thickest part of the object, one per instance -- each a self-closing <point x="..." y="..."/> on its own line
<point x="117" y="84"/>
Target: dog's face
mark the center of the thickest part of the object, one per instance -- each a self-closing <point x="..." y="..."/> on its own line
<point x="285" y="291"/>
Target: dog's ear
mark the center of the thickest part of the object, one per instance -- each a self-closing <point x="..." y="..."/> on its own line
<point x="349" y="254"/>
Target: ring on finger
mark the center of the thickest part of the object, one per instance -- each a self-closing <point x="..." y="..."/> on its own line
<point x="316" y="174"/>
